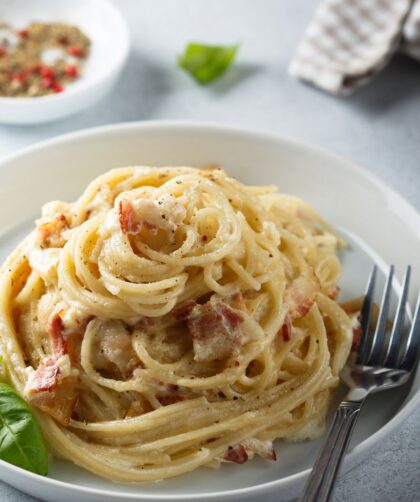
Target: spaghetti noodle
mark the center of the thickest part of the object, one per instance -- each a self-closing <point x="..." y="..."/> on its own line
<point x="172" y="318"/>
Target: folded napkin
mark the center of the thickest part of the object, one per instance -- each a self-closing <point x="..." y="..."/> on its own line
<point x="349" y="41"/>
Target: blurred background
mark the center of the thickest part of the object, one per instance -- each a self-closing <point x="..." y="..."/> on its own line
<point x="378" y="126"/>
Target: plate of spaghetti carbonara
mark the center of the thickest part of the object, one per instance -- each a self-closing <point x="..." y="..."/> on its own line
<point x="173" y="320"/>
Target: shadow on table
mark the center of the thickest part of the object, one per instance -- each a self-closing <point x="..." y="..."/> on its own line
<point x="140" y="90"/>
<point x="397" y="84"/>
<point x="236" y="75"/>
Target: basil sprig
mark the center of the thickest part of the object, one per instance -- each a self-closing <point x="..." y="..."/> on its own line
<point x="207" y="62"/>
<point x="21" y="441"/>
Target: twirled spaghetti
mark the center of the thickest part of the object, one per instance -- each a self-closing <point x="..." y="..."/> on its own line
<point x="172" y="318"/>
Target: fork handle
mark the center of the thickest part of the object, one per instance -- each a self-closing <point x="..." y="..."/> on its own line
<point x="321" y="480"/>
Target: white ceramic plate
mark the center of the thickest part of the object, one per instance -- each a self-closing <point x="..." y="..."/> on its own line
<point x="379" y="224"/>
<point x="108" y="31"/>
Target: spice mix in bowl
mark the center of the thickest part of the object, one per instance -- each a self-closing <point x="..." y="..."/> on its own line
<point x="40" y="59"/>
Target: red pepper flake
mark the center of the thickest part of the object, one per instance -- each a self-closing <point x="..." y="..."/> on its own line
<point x="285" y="332"/>
<point x="47" y="72"/>
<point x="56" y="87"/>
<point x="36" y="68"/>
<point x="62" y="39"/>
<point x="23" y="73"/>
<point x="236" y="363"/>
<point x="19" y="76"/>
<point x="75" y="50"/>
<point x="22" y="33"/>
<point x="71" y="71"/>
<point x="236" y="454"/>
<point x="55" y="329"/>
<point x="47" y="82"/>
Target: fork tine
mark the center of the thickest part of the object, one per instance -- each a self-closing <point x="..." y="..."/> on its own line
<point x="365" y="316"/>
<point x="411" y="352"/>
<point x="390" y="355"/>
<point x="379" y="335"/>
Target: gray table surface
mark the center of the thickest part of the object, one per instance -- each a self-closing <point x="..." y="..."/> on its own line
<point x="379" y="127"/>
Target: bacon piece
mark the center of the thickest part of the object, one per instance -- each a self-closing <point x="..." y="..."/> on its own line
<point x="300" y="295"/>
<point x="263" y="448"/>
<point x="117" y="348"/>
<point x="236" y="454"/>
<point x="128" y="218"/>
<point x="153" y="229"/>
<point x="53" y="391"/>
<point x="55" y="329"/>
<point x="73" y="345"/>
<point x="286" y="330"/>
<point x="183" y="311"/>
<point x="59" y="402"/>
<point x="153" y="216"/>
<point x="115" y="351"/>
<point x="167" y="400"/>
<point x="215" y="330"/>
<point x="45" y="378"/>
<point x="50" y="234"/>
<point x="234" y="318"/>
<point x="144" y="214"/>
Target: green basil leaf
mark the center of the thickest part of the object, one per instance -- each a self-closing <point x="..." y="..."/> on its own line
<point x="21" y="441"/>
<point x="207" y="62"/>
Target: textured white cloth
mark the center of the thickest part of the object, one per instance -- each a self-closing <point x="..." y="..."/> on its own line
<point x="349" y="41"/>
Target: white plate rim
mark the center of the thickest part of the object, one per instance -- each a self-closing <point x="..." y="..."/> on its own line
<point x="410" y="212"/>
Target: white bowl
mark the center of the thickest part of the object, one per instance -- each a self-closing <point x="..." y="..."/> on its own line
<point x="108" y="31"/>
<point x="387" y="230"/>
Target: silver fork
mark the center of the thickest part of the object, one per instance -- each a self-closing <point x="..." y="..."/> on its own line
<point x="383" y="360"/>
